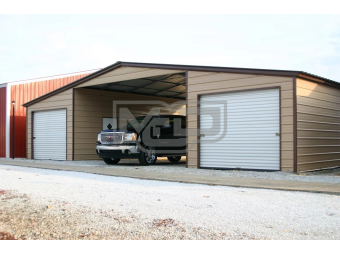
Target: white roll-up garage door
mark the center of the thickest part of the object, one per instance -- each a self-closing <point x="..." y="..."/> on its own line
<point x="240" y="130"/>
<point x="49" y="135"/>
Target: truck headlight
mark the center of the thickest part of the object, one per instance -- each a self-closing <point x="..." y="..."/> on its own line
<point x="130" y="137"/>
<point x="99" y="138"/>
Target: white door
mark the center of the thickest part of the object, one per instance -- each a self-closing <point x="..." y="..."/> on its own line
<point x="49" y="135"/>
<point x="240" y="130"/>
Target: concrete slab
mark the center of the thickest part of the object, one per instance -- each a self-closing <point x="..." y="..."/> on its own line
<point x="288" y="185"/>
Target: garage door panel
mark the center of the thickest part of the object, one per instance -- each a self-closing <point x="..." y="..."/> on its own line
<point x="49" y="132"/>
<point x="235" y="109"/>
<point x="243" y="95"/>
<point x="237" y="157"/>
<point x="236" y="153"/>
<point x="224" y="147"/>
<point x="236" y="125"/>
<point x="265" y="130"/>
<point x="240" y="130"/>
<point x="245" y="166"/>
<point x="234" y="163"/>
<point x="251" y="118"/>
<point x="240" y="137"/>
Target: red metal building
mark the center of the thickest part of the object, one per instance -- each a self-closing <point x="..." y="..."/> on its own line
<point x="22" y="92"/>
<point x="2" y="121"/>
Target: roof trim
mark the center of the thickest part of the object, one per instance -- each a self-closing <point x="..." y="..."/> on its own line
<point x="212" y="69"/>
<point x="73" y="84"/>
<point x="315" y="78"/>
<point x="272" y="72"/>
<point x="53" y="77"/>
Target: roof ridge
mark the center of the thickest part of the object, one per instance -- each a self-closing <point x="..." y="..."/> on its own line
<point x="272" y="72"/>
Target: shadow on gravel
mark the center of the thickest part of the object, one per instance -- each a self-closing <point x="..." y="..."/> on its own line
<point x="156" y="164"/>
<point x="326" y="172"/>
<point x="161" y="161"/>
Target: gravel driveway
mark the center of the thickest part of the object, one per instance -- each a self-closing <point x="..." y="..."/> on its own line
<point x="164" y="166"/>
<point x="47" y="204"/>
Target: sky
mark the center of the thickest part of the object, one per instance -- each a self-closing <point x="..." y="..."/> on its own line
<point x="33" y="46"/>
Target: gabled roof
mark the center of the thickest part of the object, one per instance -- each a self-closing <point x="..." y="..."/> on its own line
<point x="286" y="73"/>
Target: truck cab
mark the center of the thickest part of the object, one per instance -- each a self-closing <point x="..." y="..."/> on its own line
<point x="145" y="138"/>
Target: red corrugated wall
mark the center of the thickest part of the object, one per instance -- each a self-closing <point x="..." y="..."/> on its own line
<point x="23" y="93"/>
<point x="2" y="122"/>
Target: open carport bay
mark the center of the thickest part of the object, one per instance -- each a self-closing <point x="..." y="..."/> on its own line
<point x="164" y="94"/>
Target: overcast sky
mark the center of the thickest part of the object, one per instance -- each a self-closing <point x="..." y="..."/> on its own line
<point x="33" y="46"/>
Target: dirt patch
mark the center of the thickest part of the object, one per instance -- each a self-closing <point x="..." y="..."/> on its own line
<point x="164" y="223"/>
<point x="6" y="236"/>
<point x="7" y="194"/>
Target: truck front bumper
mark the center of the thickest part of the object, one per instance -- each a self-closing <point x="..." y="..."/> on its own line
<point x="117" y="151"/>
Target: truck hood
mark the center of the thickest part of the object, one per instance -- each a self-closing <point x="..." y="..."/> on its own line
<point x="118" y="130"/>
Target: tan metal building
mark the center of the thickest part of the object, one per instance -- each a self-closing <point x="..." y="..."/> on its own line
<point x="236" y="118"/>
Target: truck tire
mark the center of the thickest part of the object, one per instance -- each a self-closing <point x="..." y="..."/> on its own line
<point x="111" y="161"/>
<point x="174" y="159"/>
<point x="147" y="156"/>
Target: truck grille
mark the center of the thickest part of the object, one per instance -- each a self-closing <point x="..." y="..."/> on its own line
<point x="112" y="138"/>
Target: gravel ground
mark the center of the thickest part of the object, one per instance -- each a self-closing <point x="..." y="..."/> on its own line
<point x="164" y="166"/>
<point x="24" y="219"/>
<point x="48" y="204"/>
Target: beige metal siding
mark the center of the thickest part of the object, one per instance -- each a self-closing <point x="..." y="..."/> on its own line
<point x="210" y="82"/>
<point x="318" y="126"/>
<point x="126" y="73"/>
<point x="59" y="101"/>
<point x="91" y="106"/>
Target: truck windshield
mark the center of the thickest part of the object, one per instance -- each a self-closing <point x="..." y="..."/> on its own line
<point x="137" y="122"/>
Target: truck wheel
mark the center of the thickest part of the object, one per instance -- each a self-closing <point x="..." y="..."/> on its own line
<point x="147" y="156"/>
<point x="111" y="161"/>
<point x="174" y="159"/>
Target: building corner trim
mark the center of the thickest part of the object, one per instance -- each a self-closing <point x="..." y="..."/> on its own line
<point x="295" y="170"/>
<point x="8" y="119"/>
<point x="186" y="117"/>
<point x="72" y="126"/>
